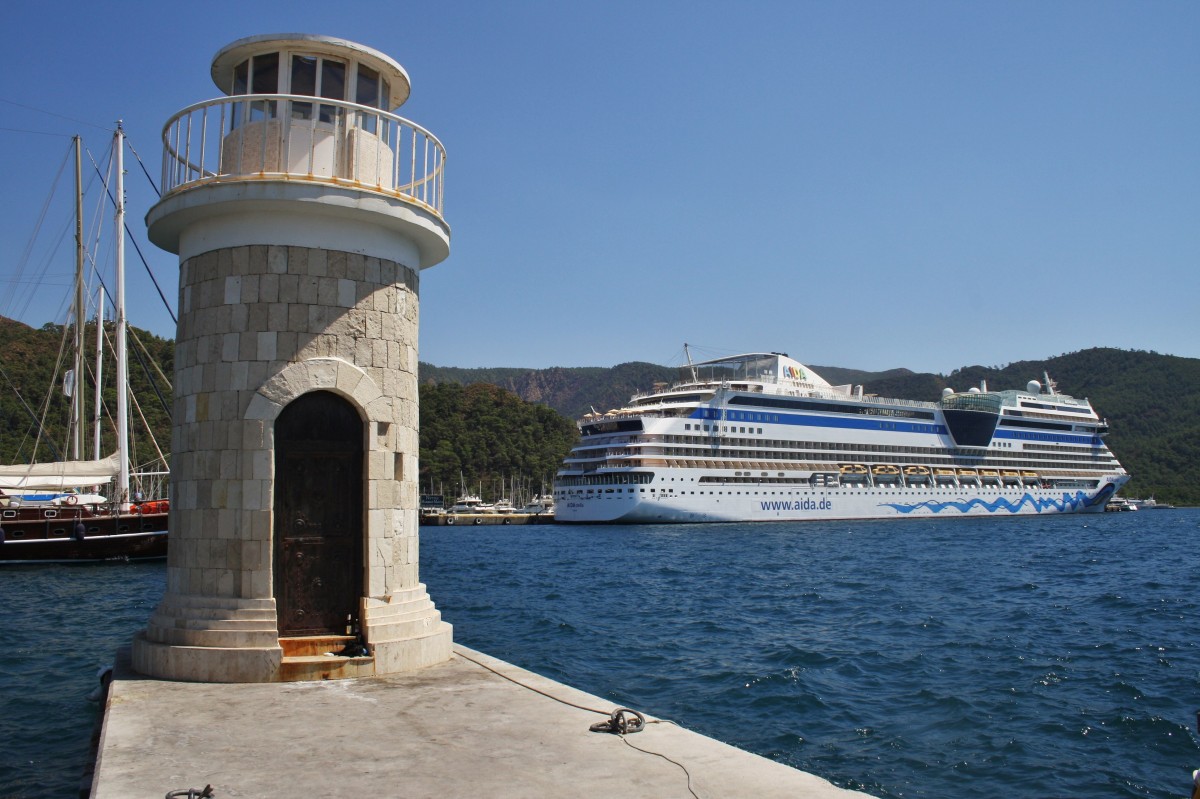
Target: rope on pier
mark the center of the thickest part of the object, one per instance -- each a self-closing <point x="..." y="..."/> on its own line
<point x="191" y="793"/>
<point x="620" y="724"/>
<point x="617" y="716"/>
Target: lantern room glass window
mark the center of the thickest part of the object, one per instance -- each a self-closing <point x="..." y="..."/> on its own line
<point x="367" y="92"/>
<point x="304" y="81"/>
<point x="256" y="75"/>
<point x="313" y="76"/>
<point x="333" y="86"/>
<point x="309" y="76"/>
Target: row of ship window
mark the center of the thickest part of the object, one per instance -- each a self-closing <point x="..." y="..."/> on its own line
<point x="820" y="479"/>
<point x="832" y="451"/>
<point x="696" y="463"/>
<point x="701" y="441"/>
<point x="886" y="489"/>
<point x="607" y="479"/>
<point x="838" y="445"/>
<point x="720" y="429"/>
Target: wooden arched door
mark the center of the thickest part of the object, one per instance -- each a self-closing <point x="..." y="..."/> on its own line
<point x="319" y="501"/>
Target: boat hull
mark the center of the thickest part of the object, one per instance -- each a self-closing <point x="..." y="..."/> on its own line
<point x="829" y="504"/>
<point x="116" y="537"/>
<point x="123" y="547"/>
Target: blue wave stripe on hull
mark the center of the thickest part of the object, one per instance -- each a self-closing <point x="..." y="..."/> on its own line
<point x="1068" y="503"/>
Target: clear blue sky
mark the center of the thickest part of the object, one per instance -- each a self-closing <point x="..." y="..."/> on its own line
<point x="862" y="184"/>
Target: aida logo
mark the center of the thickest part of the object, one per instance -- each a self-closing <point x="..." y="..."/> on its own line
<point x="795" y="373"/>
<point x="799" y="504"/>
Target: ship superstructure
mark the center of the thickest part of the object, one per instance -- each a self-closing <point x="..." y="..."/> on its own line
<point x="761" y="437"/>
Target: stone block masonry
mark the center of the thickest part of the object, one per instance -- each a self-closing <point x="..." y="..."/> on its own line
<point x="260" y="326"/>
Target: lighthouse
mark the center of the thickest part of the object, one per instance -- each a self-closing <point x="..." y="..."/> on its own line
<point x="302" y="209"/>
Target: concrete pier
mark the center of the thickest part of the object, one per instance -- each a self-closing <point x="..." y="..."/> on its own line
<point x="472" y="726"/>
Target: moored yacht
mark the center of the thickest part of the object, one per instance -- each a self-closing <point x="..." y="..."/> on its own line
<point x="469" y="503"/>
<point x="540" y="504"/>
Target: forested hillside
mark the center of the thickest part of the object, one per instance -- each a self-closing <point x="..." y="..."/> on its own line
<point x="486" y="428"/>
<point x="32" y="367"/>
<point x="483" y="439"/>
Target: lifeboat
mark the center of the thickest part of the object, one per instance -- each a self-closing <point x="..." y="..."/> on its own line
<point x="968" y="476"/>
<point x="944" y="475"/>
<point x="885" y="473"/>
<point x="916" y="474"/>
<point x="989" y="476"/>
<point x="853" y="473"/>
<point x="1029" y="478"/>
<point x="1010" y="476"/>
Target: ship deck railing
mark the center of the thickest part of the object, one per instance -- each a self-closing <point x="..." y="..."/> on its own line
<point x="802" y="390"/>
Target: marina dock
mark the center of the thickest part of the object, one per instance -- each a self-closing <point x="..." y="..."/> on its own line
<point x="473" y="726"/>
<point x="464" y="519"/>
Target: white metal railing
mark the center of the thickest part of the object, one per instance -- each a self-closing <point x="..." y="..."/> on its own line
<point x="297" y="137"/>
<point x="811" y="392"/>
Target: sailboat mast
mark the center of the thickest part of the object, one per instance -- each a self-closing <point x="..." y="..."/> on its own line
<point x="78" y="412"/>
<point x="99" y="374"/>
<point x="122" y="369"/>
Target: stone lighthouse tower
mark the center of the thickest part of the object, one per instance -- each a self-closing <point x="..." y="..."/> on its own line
<point x="302" y="210"/>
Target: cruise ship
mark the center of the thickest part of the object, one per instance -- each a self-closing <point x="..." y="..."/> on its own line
<point x="762" y="437"/>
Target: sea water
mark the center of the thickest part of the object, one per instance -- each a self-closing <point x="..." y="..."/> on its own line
<point x="1033" y="657"/>
<point x="60" y="624"/>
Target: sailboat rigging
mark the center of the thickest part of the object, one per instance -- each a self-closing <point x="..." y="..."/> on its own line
<point x="50" y="511"/>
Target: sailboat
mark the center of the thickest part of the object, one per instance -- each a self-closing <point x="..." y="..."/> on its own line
<point x="49" y="511"/>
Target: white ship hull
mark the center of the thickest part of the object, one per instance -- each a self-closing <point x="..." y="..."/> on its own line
<point x="839" y="503"/>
